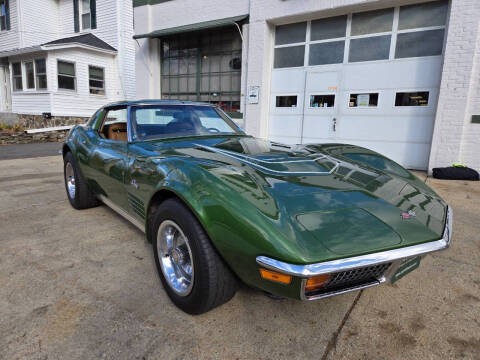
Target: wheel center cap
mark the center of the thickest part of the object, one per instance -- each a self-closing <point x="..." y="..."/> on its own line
<point x="176" y="256"/>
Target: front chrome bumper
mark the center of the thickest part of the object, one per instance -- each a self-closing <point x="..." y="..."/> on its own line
<point x="396" y="257"/>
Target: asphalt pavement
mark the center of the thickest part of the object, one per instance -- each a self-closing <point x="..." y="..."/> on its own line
<point x="82" y="285"/>
<point x="23" y="151"/>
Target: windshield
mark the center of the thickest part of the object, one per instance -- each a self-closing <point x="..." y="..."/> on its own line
<point x="167" y="121"/>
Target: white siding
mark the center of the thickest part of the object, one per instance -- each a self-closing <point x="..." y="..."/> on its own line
<point x="10" y="39"/>
<point x="107" y="18"/>
<point x="34" y="103"/>
<point x="40" y="21"/>
<point x="80" y="102"/>
<point x="126" y="48"/>
<point x="65" y="18"/>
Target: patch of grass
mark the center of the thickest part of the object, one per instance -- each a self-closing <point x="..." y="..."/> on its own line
<point x="11" y="128"/>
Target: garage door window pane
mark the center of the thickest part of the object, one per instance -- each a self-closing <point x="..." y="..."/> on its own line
<point x="368" y="49"/>
<point x="372" y="22"/>
<point x="419" y="43"/>
<point x="330" y="28"/>
<point x="326" y="53"/>
<point x="291" y="33"/>
<point x="289" y="56"/>
<point x="423" y="15"/>
<point x="286" y="101"/>
<point x="322" y="101"/>
<point x="363" y="100"/>
<point x="411" y="98"/>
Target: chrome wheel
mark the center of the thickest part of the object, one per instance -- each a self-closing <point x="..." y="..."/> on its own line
<point x="70" y="180"/>
<point x="175" y="257"/>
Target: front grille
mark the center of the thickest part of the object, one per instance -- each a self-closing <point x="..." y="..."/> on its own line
<point x="352" y="278"/>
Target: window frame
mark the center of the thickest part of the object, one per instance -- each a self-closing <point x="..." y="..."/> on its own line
<point x="6" y="15"/>
<point x="287" y="107"/>
<point x="368" y="92"/>
<point x="322" y="93"/>
<point x="81" y="13"/>
<point x="429" y="103"/>
<point x="24" y="64"/>
<point x="100" y="122"/>
<point x="17" y="76"/>
<point x="36" y="74"/>
<point x="103" y="81"/>
<point x="348" y="37"/>
<point x="74" y="77"/>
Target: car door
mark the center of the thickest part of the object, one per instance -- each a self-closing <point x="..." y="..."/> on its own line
<point x="108" y="161"/>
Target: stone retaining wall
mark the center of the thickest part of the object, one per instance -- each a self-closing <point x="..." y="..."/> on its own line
<point x="20" y="137"/>
<point x="38" y="122"/>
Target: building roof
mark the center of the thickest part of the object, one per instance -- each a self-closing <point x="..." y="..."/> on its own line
<point x="193" y="27"/>
<point x="84" y="39"/>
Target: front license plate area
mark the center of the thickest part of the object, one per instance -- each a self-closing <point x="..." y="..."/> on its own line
<point x="408" y="265"/>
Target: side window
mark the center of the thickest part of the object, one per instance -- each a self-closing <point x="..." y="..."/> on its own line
<point x="286" y="101"/>
<point x="4" y="15"/>
<point x="66" y="75"/>
<point x="363" y="100"/>
<point x="411" y="98"/>
<point x="322" y="101"/>
<point x="114" y="125"/>
<point x="17" y="76"/>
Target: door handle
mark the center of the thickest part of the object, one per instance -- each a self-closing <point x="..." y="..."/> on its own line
<point x="334" y="124"/>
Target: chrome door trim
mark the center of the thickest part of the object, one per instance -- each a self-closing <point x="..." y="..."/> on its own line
<point x="122" y="212"/>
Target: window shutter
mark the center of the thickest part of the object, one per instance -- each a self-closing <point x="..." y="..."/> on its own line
<point x="7" y="13"/>
<point x="76" y="20"/>
<point x="93" y="14"/>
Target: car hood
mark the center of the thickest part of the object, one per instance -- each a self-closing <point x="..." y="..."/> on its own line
<point x="335" y="197"/>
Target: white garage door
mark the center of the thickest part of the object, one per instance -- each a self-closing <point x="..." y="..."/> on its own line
<point x="369" y="79"/>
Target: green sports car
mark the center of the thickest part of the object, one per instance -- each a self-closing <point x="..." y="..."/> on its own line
<point x="300" y="221"/>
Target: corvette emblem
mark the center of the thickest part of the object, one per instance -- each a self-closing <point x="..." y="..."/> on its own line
<point x="408" y="215"/>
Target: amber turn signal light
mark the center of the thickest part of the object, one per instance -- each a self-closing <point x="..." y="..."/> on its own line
<point x="316" y="282"/>
<point x="274" y="276"/>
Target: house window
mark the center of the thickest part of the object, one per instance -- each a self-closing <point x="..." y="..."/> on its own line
<point x="411" y="98"/>
<point x="3" y="15"/>
<point x="30" y="75"/>
<point x="41" y="74"/>
<point x="286" y="101"/>
<point x="96" y="80"/>
<point x="86" y="15"/>
<point x="17" y="76"/>
<point x="66" y="75"/>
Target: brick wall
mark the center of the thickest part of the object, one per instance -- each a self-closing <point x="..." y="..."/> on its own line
<point x="455" y="138"/>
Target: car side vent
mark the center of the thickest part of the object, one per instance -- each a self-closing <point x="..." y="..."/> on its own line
<point x="137" y="205"/>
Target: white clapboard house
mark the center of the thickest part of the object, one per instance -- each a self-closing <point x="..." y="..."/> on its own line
<point x="65" y="58"/>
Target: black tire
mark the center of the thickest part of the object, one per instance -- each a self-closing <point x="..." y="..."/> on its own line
<point x="214" y="283"/>
<point x="83" y="197"/>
